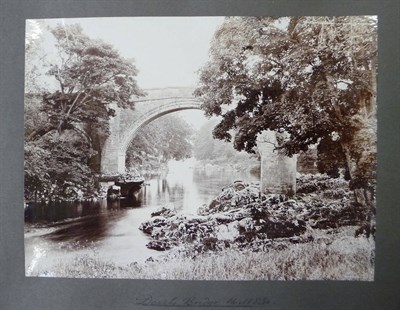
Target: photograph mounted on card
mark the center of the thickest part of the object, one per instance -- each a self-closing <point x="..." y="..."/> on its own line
<point x="201" y="148"/>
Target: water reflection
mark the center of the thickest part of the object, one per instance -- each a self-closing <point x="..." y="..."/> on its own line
<point x="116" y="223"/>
<point x="87" y="229"/>
<point x="59" y="211"/>
<point x="184" y="187"/>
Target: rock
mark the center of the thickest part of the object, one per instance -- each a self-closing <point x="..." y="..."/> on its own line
<point x="203" y="210"/>
<point x="274" y="198"/>
<point x="209" y="243"/>
<point x="221" y="218"/>
<point x="167" y="211"/>
<point x="246" y="224"/>
<point x="226" y="194"/>
<point x="227" y="232"/>
<point x="284" y="229"/>
<point x="240" y="217"/>
<point x="157" y="232"/>
<point x="147" y="227"/>
<point x="158" y="245"/>
<point x="193" y="218"/>
<point x="239" y="185"/>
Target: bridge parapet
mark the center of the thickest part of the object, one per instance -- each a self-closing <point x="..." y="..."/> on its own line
<point x="170" y="92"/>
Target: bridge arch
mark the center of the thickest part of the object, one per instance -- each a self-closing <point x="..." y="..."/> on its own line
<point x="169" y="107"/>
<point x="278" y="172"/>
<point x="126" y="123"/>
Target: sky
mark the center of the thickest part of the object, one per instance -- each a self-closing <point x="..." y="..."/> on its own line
<point x="168" y="51"/>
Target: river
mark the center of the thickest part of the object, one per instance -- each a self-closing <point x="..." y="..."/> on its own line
<point x="110" y="230"/>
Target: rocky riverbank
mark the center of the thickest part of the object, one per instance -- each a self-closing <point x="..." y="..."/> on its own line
<point x="244" y="235"/>
<point x="243" y="218"/>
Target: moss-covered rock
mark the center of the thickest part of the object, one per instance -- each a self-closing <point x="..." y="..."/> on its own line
<point x="241" y="217"/>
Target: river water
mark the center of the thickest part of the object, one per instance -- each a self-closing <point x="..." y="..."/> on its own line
<point x="110" y="230"/>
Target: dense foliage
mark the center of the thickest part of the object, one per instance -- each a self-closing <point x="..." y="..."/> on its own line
<point x="90" y="77"/>
<point x="168" y="137"/>
<point x="310" y="79"/>
<point x="215" y="151"/>
<point x="57" y="167"/>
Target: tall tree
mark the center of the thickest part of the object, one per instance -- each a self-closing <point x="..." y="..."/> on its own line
<point x="90" y="76"/>
<point x="310" y="79"/>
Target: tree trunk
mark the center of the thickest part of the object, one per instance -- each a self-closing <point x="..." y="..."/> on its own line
<point x="359" y="146"/>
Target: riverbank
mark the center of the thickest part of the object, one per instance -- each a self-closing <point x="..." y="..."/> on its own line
<point x="332" y="255"/>
<point x="76" y="193"/>
<point x="243" y="235"/>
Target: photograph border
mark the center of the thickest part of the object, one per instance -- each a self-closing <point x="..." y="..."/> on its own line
<point x="20" y="292"/>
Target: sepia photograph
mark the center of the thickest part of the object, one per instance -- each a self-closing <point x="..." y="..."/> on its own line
<point x="201" y="148"/>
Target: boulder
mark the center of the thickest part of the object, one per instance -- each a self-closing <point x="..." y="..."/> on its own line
<point x="158" y="245"/>
<point x="243" y="218"/>
<point x="227" y="232"/>
<point x="167" y="211"/>
<point x="157" y="221"/>
<point x="239" y="185"/>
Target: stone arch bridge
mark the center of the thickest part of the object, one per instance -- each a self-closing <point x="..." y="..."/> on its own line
<point x="278" y="173"/>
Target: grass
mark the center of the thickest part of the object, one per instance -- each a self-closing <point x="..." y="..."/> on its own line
<point x="337" y="256"/>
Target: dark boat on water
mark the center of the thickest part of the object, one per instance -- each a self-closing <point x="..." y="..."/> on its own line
<point x="126" y="186"/>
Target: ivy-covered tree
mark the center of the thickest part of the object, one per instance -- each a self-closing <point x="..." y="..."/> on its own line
<point x="310" y="79"/>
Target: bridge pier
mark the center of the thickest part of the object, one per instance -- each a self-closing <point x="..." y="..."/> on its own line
<point x="278" y="172"/>
<point x="113" y="161"/>
<point x="121" y="162"/>
<point x="112" y="158"/>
